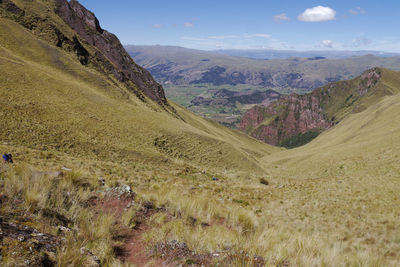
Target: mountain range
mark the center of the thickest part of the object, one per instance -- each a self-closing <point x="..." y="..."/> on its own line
<point x="187" y="67"/>
<point x="284" y="54"/>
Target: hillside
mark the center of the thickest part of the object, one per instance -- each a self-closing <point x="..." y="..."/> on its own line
<point x="109" y="173"/>
<point x="59" y="111"/>
<point x="56" y="95"/>
<point x="295" y="119"/>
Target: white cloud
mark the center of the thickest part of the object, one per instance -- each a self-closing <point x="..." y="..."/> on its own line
<point x="318" y="13"/>
<point x="326" y="44"/>
<point x="222" y="37"/>
<point x="157" y="26"/>
<point x="361" y="41"/>
<point x="258" y="35"/>
<point x="192" y="38"/>
<point x="188" y="24"/>
<point x="357" y="11"/>
<point x="280" y="17"/>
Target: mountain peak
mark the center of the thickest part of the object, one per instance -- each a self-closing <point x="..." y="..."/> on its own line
<point x="88" y="16"/>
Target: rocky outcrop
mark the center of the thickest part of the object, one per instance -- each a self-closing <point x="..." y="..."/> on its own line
<point x="288" y="117"/>
<point x="18" y="238"/>
<point x="313" y="112"/>
<point x="110" y="53"/>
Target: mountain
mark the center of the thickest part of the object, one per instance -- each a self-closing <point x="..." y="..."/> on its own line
<point x="295" y="119"/>
<point x="284" y="54"/>
<point x="107" y="173"/>
<point x="187" y="67"/>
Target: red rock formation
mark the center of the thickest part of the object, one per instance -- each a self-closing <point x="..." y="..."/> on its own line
<point x="290" y="116"/>
<point x="296" y="114"/>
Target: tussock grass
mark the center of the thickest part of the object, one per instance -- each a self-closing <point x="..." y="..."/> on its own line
<point x="129" y="217"/>
<point x="59" y="201"/>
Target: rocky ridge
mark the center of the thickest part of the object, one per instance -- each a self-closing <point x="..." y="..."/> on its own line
<point x="82" y="35"/>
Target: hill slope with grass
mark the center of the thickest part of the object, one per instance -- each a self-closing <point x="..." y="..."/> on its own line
<point x="104" y="175"/>
<point x="61" y="111"/>
<point x="55" y="102"/>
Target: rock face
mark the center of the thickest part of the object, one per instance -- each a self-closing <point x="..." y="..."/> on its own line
<point x="289" y="116"/>
<point x="314" y="112"/>
<point x="109" y="52"/>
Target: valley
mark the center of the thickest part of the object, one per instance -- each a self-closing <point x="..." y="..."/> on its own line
<point x="110" y="171"/>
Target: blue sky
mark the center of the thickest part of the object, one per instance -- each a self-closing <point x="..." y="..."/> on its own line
<point x="254" y="24"/>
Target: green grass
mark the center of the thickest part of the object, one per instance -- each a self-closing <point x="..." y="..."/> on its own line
<point x="299" y="140"/>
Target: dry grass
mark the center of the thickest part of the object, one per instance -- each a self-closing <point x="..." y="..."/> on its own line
<point x="46" y="199"/>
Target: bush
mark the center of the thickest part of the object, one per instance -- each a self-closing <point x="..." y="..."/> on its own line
<point x="299" y="140"/>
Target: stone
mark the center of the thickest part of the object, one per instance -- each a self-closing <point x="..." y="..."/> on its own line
<point x="102" y="181"/>
<point x="63" y="229"/>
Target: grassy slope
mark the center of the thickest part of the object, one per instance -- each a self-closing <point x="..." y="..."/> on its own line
<point x="344" y="185"/>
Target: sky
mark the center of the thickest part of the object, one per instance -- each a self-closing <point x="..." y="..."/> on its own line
<point x="254" y="24"/>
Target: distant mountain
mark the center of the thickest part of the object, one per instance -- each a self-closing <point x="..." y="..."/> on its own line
<point x="295" y="119"/>
<point x="180" y="66"/>
<point x="284" y="54"/>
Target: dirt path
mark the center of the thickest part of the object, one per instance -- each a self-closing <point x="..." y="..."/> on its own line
<point x="134" y="249"/>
